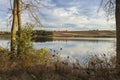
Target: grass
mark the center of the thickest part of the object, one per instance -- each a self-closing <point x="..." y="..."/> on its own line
<point x="40" y="66"/>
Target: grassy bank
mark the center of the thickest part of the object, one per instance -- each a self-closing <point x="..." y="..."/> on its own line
<point x="43" y="65"/>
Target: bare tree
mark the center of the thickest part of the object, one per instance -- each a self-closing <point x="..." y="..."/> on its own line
<point x="18" y="8"/>
<point x="108" y="6"/>
<point x="113" y="7"/>
<point x="117" y="15"/>
<point x="14" y="27"/>
<point x="19" y="11"/>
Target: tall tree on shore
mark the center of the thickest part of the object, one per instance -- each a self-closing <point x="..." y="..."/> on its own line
<point x="18" y="7"/>
<point x="19" y="11"/>
<point x="117" y="16"/>
<point x="110" y="7"/>
<point x="14" y="27"/>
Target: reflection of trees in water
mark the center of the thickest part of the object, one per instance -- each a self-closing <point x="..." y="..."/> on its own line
<point x="85" y="40"/>
<point x="95" y="41"/>
<point x="4" y="37"/>
<point x="66" y="41"/>
<point x="43" y="39"/>
<point x="46" y="39"/>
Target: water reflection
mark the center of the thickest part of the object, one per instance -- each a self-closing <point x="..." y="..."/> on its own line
<point x="5" y="43"/>
<point x="80" y="48"/>
<point x="43" y="39"/>
<point x="77" y="48"/>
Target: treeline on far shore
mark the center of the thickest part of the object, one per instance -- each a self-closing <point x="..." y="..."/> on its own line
<point x="90" y="33"/>
<point x="35" y="32"/>
<point x="5" y="33"/>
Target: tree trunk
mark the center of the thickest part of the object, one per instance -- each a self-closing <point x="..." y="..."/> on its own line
<point x="19" y="24"/>
<point x="13" y="29"/>
<point x="118" y="32"/>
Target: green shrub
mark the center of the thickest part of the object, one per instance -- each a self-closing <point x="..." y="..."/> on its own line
<point x="25" y="42"/>
<point x="28" y="53"/>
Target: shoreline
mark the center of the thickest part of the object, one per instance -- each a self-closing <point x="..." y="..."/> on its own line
<point x="92" y="33"/>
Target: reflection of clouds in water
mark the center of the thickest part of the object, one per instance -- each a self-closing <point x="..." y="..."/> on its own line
<point x="83" y="48"/>
<point x="5" y="44"/>
<point x="77" y="49"/>
<point x="80" y="49"/>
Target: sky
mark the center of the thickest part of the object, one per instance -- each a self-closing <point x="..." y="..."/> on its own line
<point x="63" y="15"/>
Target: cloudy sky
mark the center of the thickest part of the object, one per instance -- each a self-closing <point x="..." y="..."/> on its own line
<point x="64" y="15"/>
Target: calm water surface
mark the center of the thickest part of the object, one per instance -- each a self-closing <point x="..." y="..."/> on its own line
<point x="78" y="48"/>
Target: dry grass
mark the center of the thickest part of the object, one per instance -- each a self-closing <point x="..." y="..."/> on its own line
<point x="39" y="66"/>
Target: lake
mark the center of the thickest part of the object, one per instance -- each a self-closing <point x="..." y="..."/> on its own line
<point x="79" y="48"/>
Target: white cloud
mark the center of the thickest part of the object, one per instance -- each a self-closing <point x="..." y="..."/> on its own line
<point x="77" y="16"/>
<point x="73" y="15"/>
<point x="4" y="1"/>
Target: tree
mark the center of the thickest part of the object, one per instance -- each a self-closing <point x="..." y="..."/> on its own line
<point x="14" y="26"/>
<point x="117" y="16"/>
<point x="110" y="7"/>
<point x="17" y="21"/>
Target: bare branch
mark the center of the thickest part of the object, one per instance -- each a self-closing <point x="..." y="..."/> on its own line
<point x="108" y="6"/>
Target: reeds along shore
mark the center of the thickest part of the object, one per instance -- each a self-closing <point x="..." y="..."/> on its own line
<point x="43" y="65"/>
